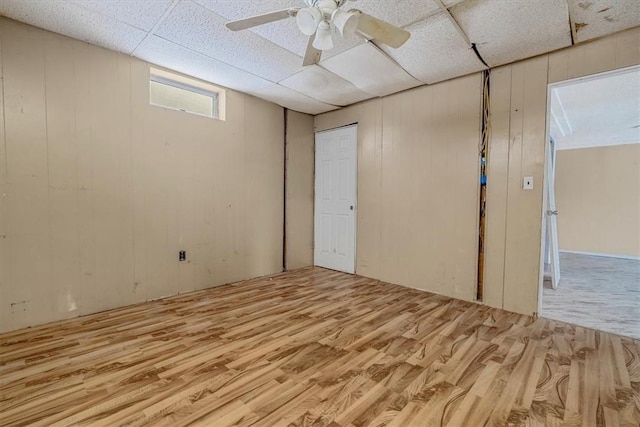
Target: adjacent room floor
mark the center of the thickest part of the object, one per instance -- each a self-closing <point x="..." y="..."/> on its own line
<point x="597" y="292"/>
<point x="316" y="347"/>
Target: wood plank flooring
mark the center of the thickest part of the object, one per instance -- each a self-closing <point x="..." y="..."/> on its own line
<point x="316" y="348"/>
<point x="597" y="292"/>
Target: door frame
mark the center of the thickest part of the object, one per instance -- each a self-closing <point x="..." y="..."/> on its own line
<point x="545" y="197"/>
<point x="355" y="205"/>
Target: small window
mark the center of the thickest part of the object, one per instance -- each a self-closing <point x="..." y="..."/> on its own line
<point x="181" y="93"/>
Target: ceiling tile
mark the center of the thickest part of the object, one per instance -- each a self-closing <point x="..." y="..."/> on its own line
<point x="370" y="70"/>
<point x="291" y="99"/>
<point x="143" y="14"/>
<point x="324" y="86"/>
<point x="597" y="18"/>
<point x="400" y="12"/>
<point x="284" y="33"/>
<point x="170" y="55"/>
<point x="435" y="51"/>
<point x="74" y="21"/>
<point x="197" y="28"/>
<point x="506" y="31"/>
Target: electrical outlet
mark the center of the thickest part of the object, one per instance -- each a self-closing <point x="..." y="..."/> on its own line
<point x="527" y="183"/>
<point x="182" y="256"/>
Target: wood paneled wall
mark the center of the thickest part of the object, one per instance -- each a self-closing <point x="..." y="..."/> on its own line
<point x="517" y="149"/>
<point x="417" y="176"/>
<point x="299" y="190"/>
<point x="99" y="190"/>
<point x="598" y="197"/>
<point x="418" y="167"/>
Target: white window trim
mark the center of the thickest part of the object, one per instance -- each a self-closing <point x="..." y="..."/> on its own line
<point x="218" y="95"/>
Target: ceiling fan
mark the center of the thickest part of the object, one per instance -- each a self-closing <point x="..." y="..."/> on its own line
<point x="320" y="17"/>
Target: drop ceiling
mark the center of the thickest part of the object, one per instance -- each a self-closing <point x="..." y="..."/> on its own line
<point x="597" y="112"/>
<point x="189" y="36"/>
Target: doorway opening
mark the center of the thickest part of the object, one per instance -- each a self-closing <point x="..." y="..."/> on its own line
<point x="592" y="244"/>
<point x="335" y="199"/>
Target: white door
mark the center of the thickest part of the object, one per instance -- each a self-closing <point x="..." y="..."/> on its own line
<point x="552" y="225"/>
<point x="335" y="199"/>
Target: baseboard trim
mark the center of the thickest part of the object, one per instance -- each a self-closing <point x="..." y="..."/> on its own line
<point x="634" y="258"/>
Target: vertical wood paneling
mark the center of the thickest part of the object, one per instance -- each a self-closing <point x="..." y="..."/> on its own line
<point x="109" y="139"/>
<point x="82" y="96"/>
<point x="394" y="227"/>
<point x="141" y="247"/>
<point x="418" y="185"/>
<point x="516" y="149"/>
<point x="300" y="191"/>
<point x="524" y="207"/>
<point x="423" y="167"/>
<point x="104" y="189"/>
<point x="236" y="171"/>
<point x="369" y="187"/>
<point x="498" y="178"/>
<point x="527" y="84"/>
<point x="610" y="53"/>
<point x="27" y="200"/>
<point x="4" y="261"/>
<point x="62" y="151"/>
<point x="264" y="163"/>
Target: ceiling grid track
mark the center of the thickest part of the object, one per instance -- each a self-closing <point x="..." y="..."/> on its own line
<point x="572" y="25"/>
<point x="460" y="31"/>
<point x="153" y="29"/>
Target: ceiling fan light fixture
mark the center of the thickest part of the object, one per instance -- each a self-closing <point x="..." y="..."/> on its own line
<point x="323" y="39"/>
<point x="345" y="22"/>
<point x="308" y="20"/>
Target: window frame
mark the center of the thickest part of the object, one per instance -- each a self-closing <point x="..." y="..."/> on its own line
<point x="189" y="84"/>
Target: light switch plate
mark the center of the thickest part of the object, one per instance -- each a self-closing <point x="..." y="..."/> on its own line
<point x="527" y="183"/>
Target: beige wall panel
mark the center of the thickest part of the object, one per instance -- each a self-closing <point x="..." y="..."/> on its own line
<point x="264" y="163"/>
<point x="369" y="215"/>
<point x="62" y="150"/>
<point x="82" y="60"/>
<point x="524" y="207"/>
<point x="497" y="176"/>
<point x="238" y="205"/>
<point x="139" y="111"/>
<point x="27" y="204"/>
<point x="598" y="196"/>
<point x="394" y="228"/>
<point x="104" y="189"/>
<point x="386" y="142"/>
<point x="4" y="264"/>
<point x="300" y="190"/>
<point x="112" y="216"/>
<point x="418" y="186"/>
<point x="610" y="53"/>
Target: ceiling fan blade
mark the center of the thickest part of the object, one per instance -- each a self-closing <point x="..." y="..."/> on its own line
<point x="254" y="21"/>
<point x="381" y="31"/>
<point x="312" y="55"/>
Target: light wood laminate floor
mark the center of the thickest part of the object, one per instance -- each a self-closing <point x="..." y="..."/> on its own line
<point x="316" y="347"/>
<point x="597" y="292"/>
